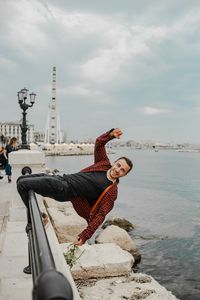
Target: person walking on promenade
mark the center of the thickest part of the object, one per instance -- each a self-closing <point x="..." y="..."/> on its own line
<point x="92" y="191"/>
<point x="3" y="159"/>
<point x="12" y="146"/>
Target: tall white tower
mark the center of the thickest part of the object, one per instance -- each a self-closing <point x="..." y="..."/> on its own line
<point x="53" y="132"/>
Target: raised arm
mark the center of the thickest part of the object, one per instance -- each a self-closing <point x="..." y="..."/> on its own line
<point x="99" y="150"/>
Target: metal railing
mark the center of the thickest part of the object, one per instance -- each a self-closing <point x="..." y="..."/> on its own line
<point x="48" y="283"/>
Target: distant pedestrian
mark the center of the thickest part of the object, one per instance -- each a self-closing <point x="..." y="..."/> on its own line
<point x="3" y="159"/>
<point x="92" y="191"/>
<point x="12" y="146"/>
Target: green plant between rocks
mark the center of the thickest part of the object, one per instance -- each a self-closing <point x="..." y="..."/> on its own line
<point x="71" y="255"/>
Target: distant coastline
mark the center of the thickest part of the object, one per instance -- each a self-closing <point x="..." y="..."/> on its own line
<point x="70" y="149"/>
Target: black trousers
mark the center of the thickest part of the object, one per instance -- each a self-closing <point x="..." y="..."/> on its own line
<point x="51" y="186"/>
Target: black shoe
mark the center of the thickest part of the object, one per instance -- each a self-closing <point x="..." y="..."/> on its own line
<point x="1" y="177"/>
<point x="28" y="228"/>
<point x="27" y="270"/>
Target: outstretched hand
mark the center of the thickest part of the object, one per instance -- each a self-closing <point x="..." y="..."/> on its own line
<point x="79" y="243"/>
<point x="116" y="133"/>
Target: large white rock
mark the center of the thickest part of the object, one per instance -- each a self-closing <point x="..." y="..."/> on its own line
<point x="118" y="236"/>
<point x="101" y="260"/>
<point x="49" y="202"/>
<point x="136" y="286"/>
<point x="67" y="223"/>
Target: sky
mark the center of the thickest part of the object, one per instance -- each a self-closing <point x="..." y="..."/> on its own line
<point x="120" y="63"/>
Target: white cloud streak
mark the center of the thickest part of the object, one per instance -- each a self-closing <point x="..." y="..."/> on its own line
<point x="125" y="45"/>
<point x="149" y="110"/>
<point x="7" y="63"/>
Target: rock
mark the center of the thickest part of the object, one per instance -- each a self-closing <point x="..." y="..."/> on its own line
<point x="120" y="222"/>
<point x="118" y="236"/>
<point x="136" y="286"/>
<point x="103" y="260"/>
<point x="49" y="202"/>
<point x="67" y="223"/>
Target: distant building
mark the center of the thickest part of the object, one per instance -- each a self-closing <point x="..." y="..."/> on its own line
<point x="11" y="129"/>
<point x="39" y="136"/>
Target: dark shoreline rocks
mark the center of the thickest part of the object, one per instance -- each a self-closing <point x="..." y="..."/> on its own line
<point x="120" y="222"/>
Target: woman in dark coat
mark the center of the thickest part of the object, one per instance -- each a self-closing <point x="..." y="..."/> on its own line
<point x="12" y="146"/>
<point x="3" y="159"/>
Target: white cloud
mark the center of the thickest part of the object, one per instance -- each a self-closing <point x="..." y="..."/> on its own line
<point x="80" y="23"/>
<point x="188" y="22"/>
<point x="95" y="97"/>
<point x="149" y="110"/>
<point x="123" y="46"/>
<point x="119" y="43"/>
<point x="103" y="56"/>
<point x="87" y="94"/>
<point x="79" y="90"/>
<point x="196" y="109"/>
<point x="7" y="63"/>
<point x="23" y="34"/>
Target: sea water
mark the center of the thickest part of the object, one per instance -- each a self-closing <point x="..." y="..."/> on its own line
<point x="162" y="197"/>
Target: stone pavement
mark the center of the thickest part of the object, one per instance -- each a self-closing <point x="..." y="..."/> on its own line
<point x="14" y="284"/>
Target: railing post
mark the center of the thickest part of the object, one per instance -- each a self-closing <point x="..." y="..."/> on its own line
<point x="27" y="270"/>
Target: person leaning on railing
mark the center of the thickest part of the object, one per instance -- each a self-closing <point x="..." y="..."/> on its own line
<point x="98" y="181"/>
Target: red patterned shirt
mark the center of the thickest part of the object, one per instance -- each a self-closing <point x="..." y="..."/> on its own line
<point x="81" y="205"/>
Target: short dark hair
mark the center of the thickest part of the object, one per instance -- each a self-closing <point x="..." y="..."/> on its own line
<point x="128" y="161"/>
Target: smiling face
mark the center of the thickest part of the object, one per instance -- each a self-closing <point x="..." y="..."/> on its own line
<point x="119" y="169"/>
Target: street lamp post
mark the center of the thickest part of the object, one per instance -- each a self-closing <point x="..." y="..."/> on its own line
<point x="22" y="97"/>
